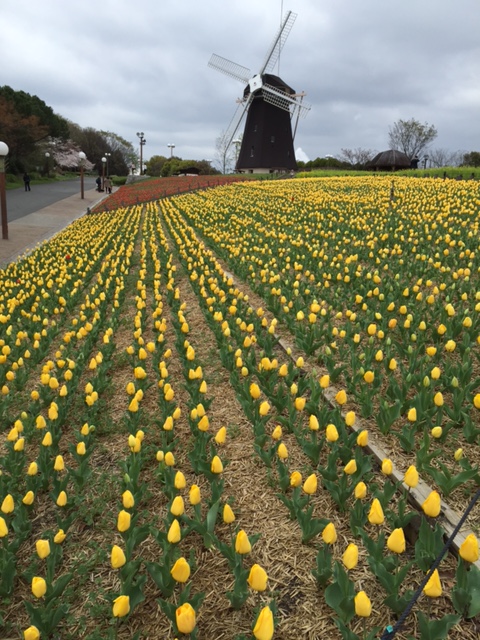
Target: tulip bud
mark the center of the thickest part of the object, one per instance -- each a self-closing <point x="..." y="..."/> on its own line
<point x="257" y="578"/>
<point x="350" y="468"/>
<point x="43" y="548"/>
<point x="437" y="432"/>
<point x="242" y="543"/>
<point x="360" y="490"/>
<point x="329" y="534"/>
<point x="121" y="606"/>
<point x="387" y="467"/>
<point x="180" y="571"/>
<point x="411" y="476"/>
<point x="216" y="465"/>
<point x="221" y="435"/>
<point x="59" y="536"/>
<point x="128" y="500"/>
<point x="350" y="418"/>
<point x="396" y="541"/>
<point x="341" y="397"/>
<point x="375" y="515"/>
<point x="32" y="633"/>
<point x="433" y="588"/>
<point x="3" y="528"/>
<point x="458" y="454"/>
<point x="469" y="549"/>
<point x="28" y="498"/>
<point x="264" y="626"/>
<point x="62" y="499"/>
<point x="350" y="556"/>
<point x="363" y="606"/>
<point x="228" y="515"/>
<point x="194" y="495"/>
<point x="179" y="481"/>
<point x="310" y="484"/>
<point x="39" y="587"/>
<point x="362" y="438"/>
<point x="331" y="433"/>
<point x="313" y="423"/>
<point x="117" y="557"/>
<point x="432" y="504"/>
<point x="174" y="534"/>
<point x="185" y="618"/>
<point x="264" y="408"/>
<point x="123" y="521"/>
<point x="295" y="479"/>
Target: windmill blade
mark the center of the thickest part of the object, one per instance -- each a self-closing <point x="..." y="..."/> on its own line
<point x="229" y="68"/>
<point x="236" y="121"/>
<point x="278" y="42"/>
<point x="284" y="100"/>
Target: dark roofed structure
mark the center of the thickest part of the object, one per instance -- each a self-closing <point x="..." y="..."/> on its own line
<point x="389" y="160"/>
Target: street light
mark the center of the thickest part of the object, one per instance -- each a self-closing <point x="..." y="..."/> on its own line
<point x="104" y="162"/>
<point x="171" y="146"/>
<point x="425" y="159"/>
<point x="47" y="156"/>
<point x="108" y="155"/>
<point x="3" y="197"/>
<point x="140" y="134"/>
<point x="82" y="158"/>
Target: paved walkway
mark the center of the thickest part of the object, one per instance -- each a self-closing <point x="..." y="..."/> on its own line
<point x="25" y="233"/>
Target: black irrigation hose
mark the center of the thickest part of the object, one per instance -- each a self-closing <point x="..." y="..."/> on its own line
<point x="390" y="631"/>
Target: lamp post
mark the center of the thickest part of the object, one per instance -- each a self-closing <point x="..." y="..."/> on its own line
<point x="82" y="158"/>
<point x="3" y="197"/>
<point x="140" y="134"/>
<point x="171" y="146"/>
<point x="107" y="156"/>
<point x="47" y="156"/>
<point x="104" y="162"/>
<point x="425" y="160"/>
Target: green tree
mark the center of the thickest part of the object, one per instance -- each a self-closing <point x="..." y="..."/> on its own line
<point x="471" y="159"/>
<point x="155" y="165"/>
<point x="411" y="136"/>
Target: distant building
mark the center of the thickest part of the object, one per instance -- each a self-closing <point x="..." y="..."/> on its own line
<point x="390" y="160"/>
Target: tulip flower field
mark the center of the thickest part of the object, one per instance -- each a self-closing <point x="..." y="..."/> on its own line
<point x="194" y="392"/>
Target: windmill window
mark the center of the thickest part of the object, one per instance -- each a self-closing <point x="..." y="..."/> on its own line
<point x="255" y="129"/>
<point x="252" y="151"/>
<point x="272" y="139"/>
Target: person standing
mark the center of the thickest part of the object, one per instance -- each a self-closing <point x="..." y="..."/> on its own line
<point x="26" y="181"/>
<point x="108" y="184"/>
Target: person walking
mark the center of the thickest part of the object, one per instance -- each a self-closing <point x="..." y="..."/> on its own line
<point x="26" y="181"/>
<point x="108" y="184"/>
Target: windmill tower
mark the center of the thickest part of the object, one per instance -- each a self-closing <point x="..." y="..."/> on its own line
<point x="270" y="106"/>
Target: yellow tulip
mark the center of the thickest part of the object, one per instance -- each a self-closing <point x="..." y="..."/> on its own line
<point x="32" y="469"/>
<point x="396" y="541"/>
<point x="216" y="465"/>
<point x="242" y="543"/>
<point x="375" y="515"/>
<point x="8" y="504"/>
<point x="469" y="549"/>
<point x="324" y="381"/>
<point x="174" y="534"/>
<point x="81" y="449"/>
<point x="360" y="490"/>
<point x="43" y="548"/>
<point x="128" y="500"/>
<point x="257" y="578"/>
<point x="363" y="606"/>
<point x="28" y="498"/>
<point x="329" y="534"/>
<point x="204" y="423"/>
<point x="3" y="528"/>
<point x="123" y="521"/>
<point x="411" y="476"/>
<point x="341" y="397"/>
<point x="369" y="377"/>
<point x="62" y="499"/>
<point x="433" y="588"/>
<point x="228" y="515"/>
<point x="313" y="423"/>
<point x="412" y="414"/>
<point x="194" y="495"/>
<point x="437" y="432"/>
<point x="39" y="587"/>
<point x="19" y="445"/>
<point x="310" y="484"/>
<point x="387" y="467"/>
<point x="300" y="403"/>
<point x="264" y="408"/>
<point x="255" y="391"/>
<point x="59" y="536"/>
<point x="121" y="606"/>
<point x="179" y="481"/>
<point x="350" y="418"/>
<point x="282" y="451"/>
<point x="458" y="455"/>
<point x="350" y="468"/>
<point x="331" y="433"/>
<point x="47" y="440"/>
<point x="178" y="506"/>
<point x="185" y="618"/>
<point x="438" y="399"/>
<point x="432" y="504"/>
<point x="476" y="401"/>
<point x="180" y="571"/>
<point x="169" y="459"/>
<point x="32" y="633"/>
<point x="350" y="556"/>
<point x="221" y="435"/>
<point x="362" y="438"/>
<point x="264" y="626"/>
<point x="117" y="557"/>
<point x="295" y="479"/>
<point x="277" y="432"/>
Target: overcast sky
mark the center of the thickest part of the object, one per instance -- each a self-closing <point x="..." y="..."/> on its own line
<point x="142" y="65"/>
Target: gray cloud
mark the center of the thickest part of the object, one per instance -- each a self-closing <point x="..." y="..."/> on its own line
<point x="131" y="66"/>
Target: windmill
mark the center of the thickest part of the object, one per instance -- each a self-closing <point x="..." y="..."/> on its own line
<point x="270" y="106"/>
